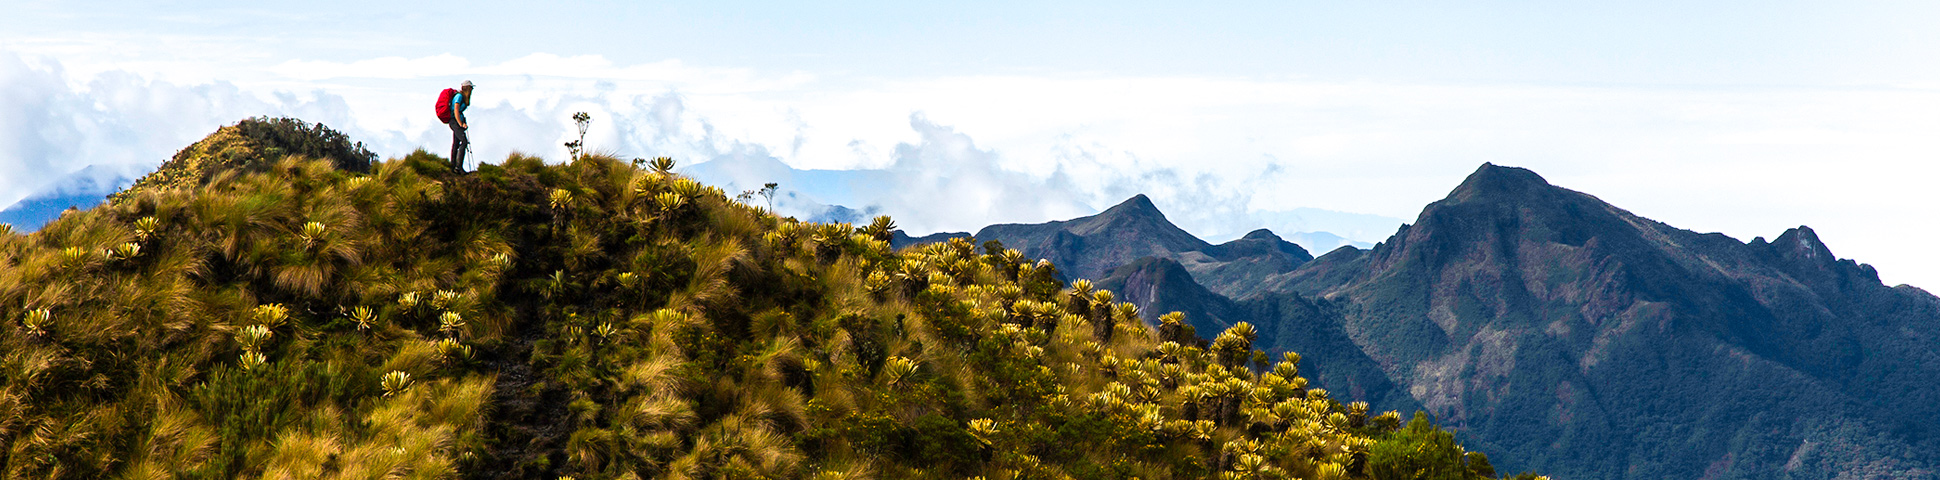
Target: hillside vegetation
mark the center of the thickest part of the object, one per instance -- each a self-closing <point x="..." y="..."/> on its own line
<point x="605" y="319"/>
<point x="252" y="145"/>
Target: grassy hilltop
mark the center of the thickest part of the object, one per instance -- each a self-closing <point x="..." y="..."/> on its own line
<point x="608" y="319"/>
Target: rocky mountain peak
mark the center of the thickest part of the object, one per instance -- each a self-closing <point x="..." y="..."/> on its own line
<point x="1802" y="244"/>
<point x="1088" y="247"/>
<point x="1138" y="205"/>
<point x="1498" y="204"/>
<point x="1258" y="242"/>
<point x="1491" y="182"/>
<point x="1261" y="234"/>
<point x="1137" y="217"/>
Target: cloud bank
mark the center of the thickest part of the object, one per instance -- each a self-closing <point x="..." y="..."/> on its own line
<point x="120" y="123"/>
<point x="1220" y="156"/>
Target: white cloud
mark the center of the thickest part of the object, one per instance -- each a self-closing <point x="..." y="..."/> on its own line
<point x="662" y="74"/>
<point x="385" y="67"/>
<point x="124" y="123"/>
<point x="1213" y="152"/>
<point x="945" y="181"/>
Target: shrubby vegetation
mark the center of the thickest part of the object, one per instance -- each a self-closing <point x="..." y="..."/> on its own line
<point x="601" y="320"/>
<point x="251" y="145"/>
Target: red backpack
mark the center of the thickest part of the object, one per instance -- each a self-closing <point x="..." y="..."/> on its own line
<point x="444" y="105"/>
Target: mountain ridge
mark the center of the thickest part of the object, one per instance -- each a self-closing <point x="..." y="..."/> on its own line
<point x="1088" y="247"/>
<point x="1536" y="276"/>
<point x="1091" y="246"/>
<point x="1550" y="326"/>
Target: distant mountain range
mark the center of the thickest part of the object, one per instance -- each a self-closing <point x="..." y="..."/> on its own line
<point x="855" y="196"/>
<point x="1563" y="334"/>
<point x="82" y="190"/>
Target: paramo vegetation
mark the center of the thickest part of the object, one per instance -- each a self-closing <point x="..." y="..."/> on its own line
<point x="604" y="319"/>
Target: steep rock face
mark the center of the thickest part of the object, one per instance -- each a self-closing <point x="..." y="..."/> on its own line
<point x="1580" y="339"/>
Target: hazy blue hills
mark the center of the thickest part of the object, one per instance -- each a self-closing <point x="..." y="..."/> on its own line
<point x="1563" y="334"/>
<point x="82" y="190"/>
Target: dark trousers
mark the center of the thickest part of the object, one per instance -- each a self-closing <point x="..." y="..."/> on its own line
<point x="459" y="143"/>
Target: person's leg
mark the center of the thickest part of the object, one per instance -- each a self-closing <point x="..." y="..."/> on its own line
<point x="458" y="143"/>
<point x="464" y="150"/>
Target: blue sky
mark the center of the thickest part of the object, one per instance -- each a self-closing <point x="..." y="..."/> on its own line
<point x="1740" y="117"/>
<point x="1725" y="43"/>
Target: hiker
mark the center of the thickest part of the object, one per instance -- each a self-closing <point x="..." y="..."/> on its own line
<point x="451" y="110"/>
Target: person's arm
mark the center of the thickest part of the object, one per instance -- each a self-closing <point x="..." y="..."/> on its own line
<point x="458" y="111"/>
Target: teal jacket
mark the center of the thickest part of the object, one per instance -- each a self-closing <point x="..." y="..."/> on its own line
<point x="458" y="105"/>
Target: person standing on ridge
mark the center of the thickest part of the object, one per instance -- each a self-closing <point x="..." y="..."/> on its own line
<point x="452" y="111"/>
